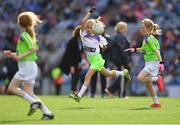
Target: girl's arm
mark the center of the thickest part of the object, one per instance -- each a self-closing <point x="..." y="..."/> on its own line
<point x="134" y="49"/>
<point x="84" y="20"/>
<point x="19" y="57"/>
<point x="139" y="49"/>
<point x="9" y="54"/>
<point x="14" y="55"/>
<point x="159" y="55"/>
<point x="161" y="63"/>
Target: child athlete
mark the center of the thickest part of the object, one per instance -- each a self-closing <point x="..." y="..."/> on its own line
<point x="153" y="60"/>
<point x="28" y="70"/>
<point x="91" y="43"/>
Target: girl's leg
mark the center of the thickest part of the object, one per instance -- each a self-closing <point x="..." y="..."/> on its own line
<point x="144" y="77"/>
<point x="115" y="73"/>
<point x="29" y="88"/>
<point x="87" y="80"/>
<point x="110" y="73"/>
<point x="152" y="92"/>
<point x="14" y="88"/>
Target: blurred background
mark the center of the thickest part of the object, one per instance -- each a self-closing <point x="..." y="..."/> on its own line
<point x="60" y="17"/>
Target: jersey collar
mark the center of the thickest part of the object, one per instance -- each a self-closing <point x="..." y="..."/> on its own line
<point x="94" y="36"/>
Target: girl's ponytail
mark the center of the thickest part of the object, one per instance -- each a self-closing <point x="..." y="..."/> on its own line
<point x="156" y="30"/>
<point x="30" y="31"/>
<point x="28" y="20"/>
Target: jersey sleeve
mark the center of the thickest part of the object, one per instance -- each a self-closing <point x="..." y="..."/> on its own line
<point x="152" y="43"/>
<point x="103" y="41"/>
<point x="27" y="40"/>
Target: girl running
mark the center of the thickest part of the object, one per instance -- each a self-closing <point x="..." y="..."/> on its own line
<point x="91" y="43"/>
<point x="153" y="60"/>
<point x="28" y="70"/>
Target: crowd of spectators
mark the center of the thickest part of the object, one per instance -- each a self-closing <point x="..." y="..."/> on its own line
<point x="61" y="16"/>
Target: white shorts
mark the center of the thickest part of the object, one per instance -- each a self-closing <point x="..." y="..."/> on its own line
<point x="27" y="72"/>
<point x="151" y="67"/>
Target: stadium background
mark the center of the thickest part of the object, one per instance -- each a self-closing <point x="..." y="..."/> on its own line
<point x="61" y="16"/>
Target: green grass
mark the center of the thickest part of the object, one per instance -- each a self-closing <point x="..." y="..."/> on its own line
<point x="107" y="110"/>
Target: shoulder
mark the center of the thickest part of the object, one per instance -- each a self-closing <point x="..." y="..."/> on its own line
<point x="22" y="36"/>
<point x="72" y="41"/>
<point x="114" y="38"/>
<point x="151" y="37"/>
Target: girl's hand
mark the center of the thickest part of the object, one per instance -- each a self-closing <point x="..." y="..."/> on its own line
<point x="17" y="58"/>
<point x="103" y="43"/>
<point x="93" y="9"/>
<point x="130" y="49"/>
<point x="8" y="53"/>
<point x="161" y="66"/>
<point x="99" y="19"/>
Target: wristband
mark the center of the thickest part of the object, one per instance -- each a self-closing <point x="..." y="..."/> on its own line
<point x="91" y="11"/>
<point x="161" y="62"/>
<point x="135" y="49"/>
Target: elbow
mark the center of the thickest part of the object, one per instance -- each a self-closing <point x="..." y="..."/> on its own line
<point x="35" y="49"/>
<point x="157" y="52"/>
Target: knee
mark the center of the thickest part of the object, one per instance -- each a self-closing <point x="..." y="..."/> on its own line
<point x="113" y="73"/>
<point x="139" y="78"/>
<point x="110" y="73"/>
<point x="10" y="88"/>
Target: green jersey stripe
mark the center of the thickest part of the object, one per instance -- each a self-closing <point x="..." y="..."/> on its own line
<point x="154" y="41"/>
<point x="27" y="36"/>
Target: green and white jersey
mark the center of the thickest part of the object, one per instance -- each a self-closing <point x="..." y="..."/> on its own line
<point x="91" y="43"/>
<point x="24" y="44"/>
<point x="150" y="45"/>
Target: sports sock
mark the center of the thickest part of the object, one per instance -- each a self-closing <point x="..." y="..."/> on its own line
<point x="154" y="78"/>
<point x="45" y="110"/>
<point x="155" y="100"/>
<point x="29" y="98"/>
<point x="81" y="92"/>
<point x="119" y="73"/>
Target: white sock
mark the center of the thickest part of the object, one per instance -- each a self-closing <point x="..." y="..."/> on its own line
<point x="45" y="110"/>
<point x="155" y="100"/>
<point x="82" y="91"/>
<point x="154" y="78"/>
<point x="119" y="73"/>
<point x="29" y="98"/>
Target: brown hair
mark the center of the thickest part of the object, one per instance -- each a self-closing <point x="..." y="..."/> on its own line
<point x="151" y="27"/>
<point x="28" y="20"/>
<point x="76" y="32"/>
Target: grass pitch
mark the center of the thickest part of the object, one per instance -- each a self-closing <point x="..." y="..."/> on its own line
<point x="106" y="110"/>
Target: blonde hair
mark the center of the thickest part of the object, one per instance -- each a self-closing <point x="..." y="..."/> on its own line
<point x="96" y="21"/>
<point x="28" y="20"/>
<point x="151" y="27"/>
<point x="76" y="31"/>
<point x="119" y="26"/>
